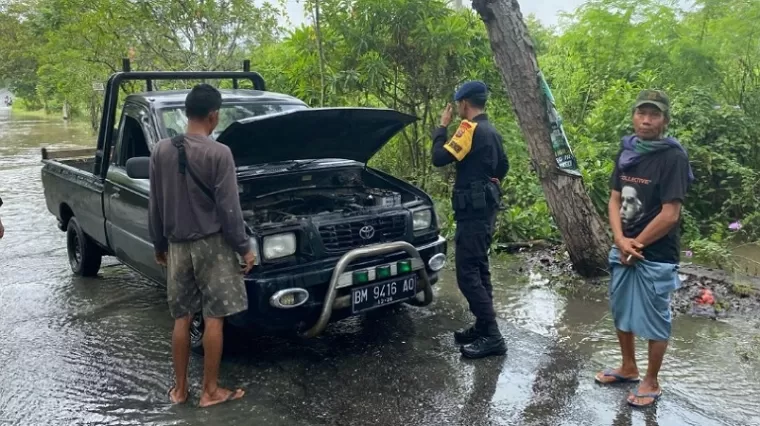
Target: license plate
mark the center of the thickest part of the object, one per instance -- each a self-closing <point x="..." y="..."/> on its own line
<point x="383" y="293"/>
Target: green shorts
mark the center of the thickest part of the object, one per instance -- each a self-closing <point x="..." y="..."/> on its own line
<point x="205" y="275"/>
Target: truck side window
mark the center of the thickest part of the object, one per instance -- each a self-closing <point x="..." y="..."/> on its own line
<point x="134" y="142"/>
<point x="116" y="144"/>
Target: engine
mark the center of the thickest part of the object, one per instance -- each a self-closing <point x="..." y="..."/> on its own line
<point x="293" y="206"/>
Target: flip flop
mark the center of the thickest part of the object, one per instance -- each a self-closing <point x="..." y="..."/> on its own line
<point x="618" y="378"/>
<point x="654" y="395"/>
<point x="230" y="397"/>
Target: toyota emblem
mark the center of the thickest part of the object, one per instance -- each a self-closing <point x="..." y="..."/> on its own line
<point x="367" y="232"/>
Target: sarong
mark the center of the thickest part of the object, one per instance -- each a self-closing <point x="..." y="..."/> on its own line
<point x="640" y="296"/>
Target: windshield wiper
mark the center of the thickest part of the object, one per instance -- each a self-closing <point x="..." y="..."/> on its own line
<point x="301" y="164"/>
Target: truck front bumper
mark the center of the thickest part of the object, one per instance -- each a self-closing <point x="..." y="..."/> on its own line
<point x="327" y="285"/>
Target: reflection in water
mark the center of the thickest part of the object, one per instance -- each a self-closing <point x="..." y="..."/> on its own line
<point x="625" y="416"/>
<point x="476" y="410"/>
<point x="554" y="386"/>
<point x="96" y="351"/>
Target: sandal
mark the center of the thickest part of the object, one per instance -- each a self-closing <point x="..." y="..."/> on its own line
<point x="234" y="395"/>
<point x="654" y="395"/>
<point x="618" y="378"/>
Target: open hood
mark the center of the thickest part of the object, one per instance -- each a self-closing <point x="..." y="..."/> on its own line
<point x="314" y="133"/>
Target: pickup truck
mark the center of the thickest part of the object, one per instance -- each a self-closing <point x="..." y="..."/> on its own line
<point x="334" y="237"/>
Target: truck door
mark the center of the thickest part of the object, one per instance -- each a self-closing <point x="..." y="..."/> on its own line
<point x="126" y="199"/>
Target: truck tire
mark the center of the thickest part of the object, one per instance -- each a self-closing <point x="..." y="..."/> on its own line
<point x="230" y="342"/>
<point x="84" y="255"/>
<point x="196" y="334"/>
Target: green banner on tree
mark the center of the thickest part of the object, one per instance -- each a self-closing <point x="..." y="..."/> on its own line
<point x="565" y="159"/>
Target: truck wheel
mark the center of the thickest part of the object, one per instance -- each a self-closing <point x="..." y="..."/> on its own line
<point x="196" y="334"/>
<point x="84" y="255"/>
<point x="230" y="340"/>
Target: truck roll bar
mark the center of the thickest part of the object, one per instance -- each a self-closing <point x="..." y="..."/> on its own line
<point x="111" y="97"/>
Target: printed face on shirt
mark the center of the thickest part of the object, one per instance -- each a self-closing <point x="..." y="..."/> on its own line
<point x="649" y="122"/>
<point x="638" y="199"/>
<point x="631" y="207"/>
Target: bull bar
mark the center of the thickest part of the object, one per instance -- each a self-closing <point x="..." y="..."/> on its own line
<point x="331" y="302"/>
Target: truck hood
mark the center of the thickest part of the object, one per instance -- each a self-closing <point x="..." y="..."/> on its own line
<point x="314" y="133"/>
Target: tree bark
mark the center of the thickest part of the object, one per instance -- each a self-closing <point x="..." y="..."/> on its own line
<point x="318" y="30"/>
<point x="583" y="231"/>
<point x="66" y="110"/>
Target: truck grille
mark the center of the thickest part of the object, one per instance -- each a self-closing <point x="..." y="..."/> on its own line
<point x="347" y="236"/>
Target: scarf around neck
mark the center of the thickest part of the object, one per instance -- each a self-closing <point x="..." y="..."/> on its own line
<point x="635" y="149"/>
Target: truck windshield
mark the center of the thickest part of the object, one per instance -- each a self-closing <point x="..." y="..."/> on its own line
<point x="174" y="121"/>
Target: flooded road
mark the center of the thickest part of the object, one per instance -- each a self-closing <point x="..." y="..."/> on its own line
<point x="96" y="351"/>
<point x="748" y="259"/>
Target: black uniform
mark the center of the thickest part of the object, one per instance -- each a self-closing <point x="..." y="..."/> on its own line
<point x="477" y="149"/>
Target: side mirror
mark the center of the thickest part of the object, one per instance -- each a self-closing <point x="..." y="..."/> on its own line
<point x="138" y="167"/>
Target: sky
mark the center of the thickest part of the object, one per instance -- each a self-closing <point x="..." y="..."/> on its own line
<point x="545" y="10"/>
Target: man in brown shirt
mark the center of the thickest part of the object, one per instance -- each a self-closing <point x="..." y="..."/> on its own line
<point x="196" y="235"/>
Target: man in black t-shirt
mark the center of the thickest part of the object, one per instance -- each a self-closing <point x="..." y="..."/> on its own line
<point x="648" y="185"/>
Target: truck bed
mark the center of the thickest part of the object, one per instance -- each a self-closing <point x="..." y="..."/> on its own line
<point x="72" y="190"/>
<point x="84" y="164"/>
<point x="82" y="158"/>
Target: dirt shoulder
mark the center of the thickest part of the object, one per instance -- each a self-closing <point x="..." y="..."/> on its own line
<point x="732" y="294"/>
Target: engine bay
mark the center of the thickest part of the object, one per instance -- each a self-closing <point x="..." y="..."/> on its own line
<point x="342" y="193"/>
<point x="309" y="203"/>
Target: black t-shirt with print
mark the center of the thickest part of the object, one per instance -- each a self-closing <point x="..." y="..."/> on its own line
<point x="657" y="179"/>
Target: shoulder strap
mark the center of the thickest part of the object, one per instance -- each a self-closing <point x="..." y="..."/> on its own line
<point x="179" y="142"/>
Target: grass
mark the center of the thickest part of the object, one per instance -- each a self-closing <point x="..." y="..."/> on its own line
<point x="41" y="113"/>
<point x="20" y="110"/>
<point x="742" y="289"/>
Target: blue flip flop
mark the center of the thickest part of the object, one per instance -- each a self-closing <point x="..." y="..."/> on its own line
<point x="618" y="378"/>
<point x="655" y="397"/>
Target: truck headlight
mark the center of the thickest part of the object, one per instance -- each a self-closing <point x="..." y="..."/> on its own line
<point x="255" y="248"/>
<point x="279" y="245"/>
<point x="422" y="219"/>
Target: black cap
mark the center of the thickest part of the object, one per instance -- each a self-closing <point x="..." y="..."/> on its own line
<point x="471" y="89"/>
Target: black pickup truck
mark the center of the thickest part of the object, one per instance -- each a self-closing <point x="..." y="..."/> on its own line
<point x="334" y="237"/>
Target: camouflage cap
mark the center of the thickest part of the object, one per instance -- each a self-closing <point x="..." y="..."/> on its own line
<point x="653" y="97"/>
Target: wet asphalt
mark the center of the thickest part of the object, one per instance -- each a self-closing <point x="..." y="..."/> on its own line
<point x="96" y="351"/>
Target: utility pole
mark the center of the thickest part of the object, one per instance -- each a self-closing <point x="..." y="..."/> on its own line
<point x="457" y="4"/>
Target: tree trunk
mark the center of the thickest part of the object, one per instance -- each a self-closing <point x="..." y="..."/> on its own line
<point x="583" y="231"/>
<point x="66" y="110"/>
<point x="318" y="30"/>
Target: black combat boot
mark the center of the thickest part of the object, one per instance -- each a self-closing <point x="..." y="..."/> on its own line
<point x="467" y="335"/>
<point x="490" y="343"/>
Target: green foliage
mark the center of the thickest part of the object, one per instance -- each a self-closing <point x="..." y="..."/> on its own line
<point x="411" y="54"/>
<point x="59" y="48"/>
<point x="18" y="65"/>
<point x="742" y="289"/>
<point x="711" y="253"/>
<point x="724" y="152"/>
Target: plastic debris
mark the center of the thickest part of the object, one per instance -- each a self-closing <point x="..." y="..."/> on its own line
<point x="706" y="297"/>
